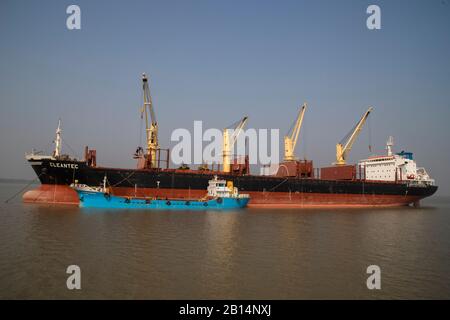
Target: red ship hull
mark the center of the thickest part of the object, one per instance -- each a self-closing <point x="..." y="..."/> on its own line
<point x="62" y="194"/>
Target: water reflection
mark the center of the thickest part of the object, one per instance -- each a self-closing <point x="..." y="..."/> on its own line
<point x="248" y="254"/>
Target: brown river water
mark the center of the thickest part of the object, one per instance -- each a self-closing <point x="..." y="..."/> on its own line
<point x="245" y="254"/>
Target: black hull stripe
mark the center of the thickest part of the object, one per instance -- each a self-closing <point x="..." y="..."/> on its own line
<point x="180" y="180"/>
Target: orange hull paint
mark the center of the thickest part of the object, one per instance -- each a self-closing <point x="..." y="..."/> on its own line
<point x="45" y="193"/>
<point x="61" y="194"/>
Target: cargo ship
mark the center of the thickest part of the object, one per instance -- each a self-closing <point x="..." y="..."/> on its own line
<point x="220" y="196"/>
<point x="392" y="179"/>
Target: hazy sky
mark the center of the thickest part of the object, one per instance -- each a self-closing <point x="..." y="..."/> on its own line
<point x="219" y="60"/>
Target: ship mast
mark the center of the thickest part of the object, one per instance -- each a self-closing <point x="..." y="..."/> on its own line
<point x="389" y="145"/>
<point x="152" y="127"/>
<point x="57" y="151"/>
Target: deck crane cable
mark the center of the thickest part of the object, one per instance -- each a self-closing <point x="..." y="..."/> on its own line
<point x="140" y="129"/>
<point x="347" y="136"/>
<point x="234" y="124"/>
<point x="345" y="145"/>
<point x="369" y="126"/>
<point x="71" y="150"/>
<point x="148" y="100"/>
<point x="229" y="139"/>
<point x="236" y="128"/>
<point x="305" y="140"/>
<point x="273" y="188"/>
<point x="141" y="123"/>
<point x="290" y="140"/>
<point x="152" y="127"/>
<point x="291" y="128"/>
<point x="124" y="179"/>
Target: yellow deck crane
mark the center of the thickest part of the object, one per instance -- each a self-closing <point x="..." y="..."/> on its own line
<point x="290" y="140"/>
<point x="343" y="147"/>
<point x="151" y="128"/>
<point x="229" y="141"/>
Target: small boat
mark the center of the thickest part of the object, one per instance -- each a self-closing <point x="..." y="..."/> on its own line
<point x="220" y="195"/>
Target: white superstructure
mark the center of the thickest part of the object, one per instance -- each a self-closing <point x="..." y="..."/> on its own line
<point x="222" y="189"/>
<point x="56" y="153"/>
<point x="395" y="167"/>
<point x="84" y="187"/>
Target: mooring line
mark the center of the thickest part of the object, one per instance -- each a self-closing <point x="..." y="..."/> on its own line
<point x="270" y="190"/>
<point x="21" y="190"/>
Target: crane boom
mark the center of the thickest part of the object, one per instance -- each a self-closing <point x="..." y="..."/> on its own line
<point x="152" y="127"/>
<point x="343" y="147"/>
<point x="229" y="141"/>
<point x="290" y="141"/>
<point x="238" y="130"/>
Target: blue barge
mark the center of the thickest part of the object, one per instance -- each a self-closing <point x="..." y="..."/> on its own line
<point x="220" y="196"/>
